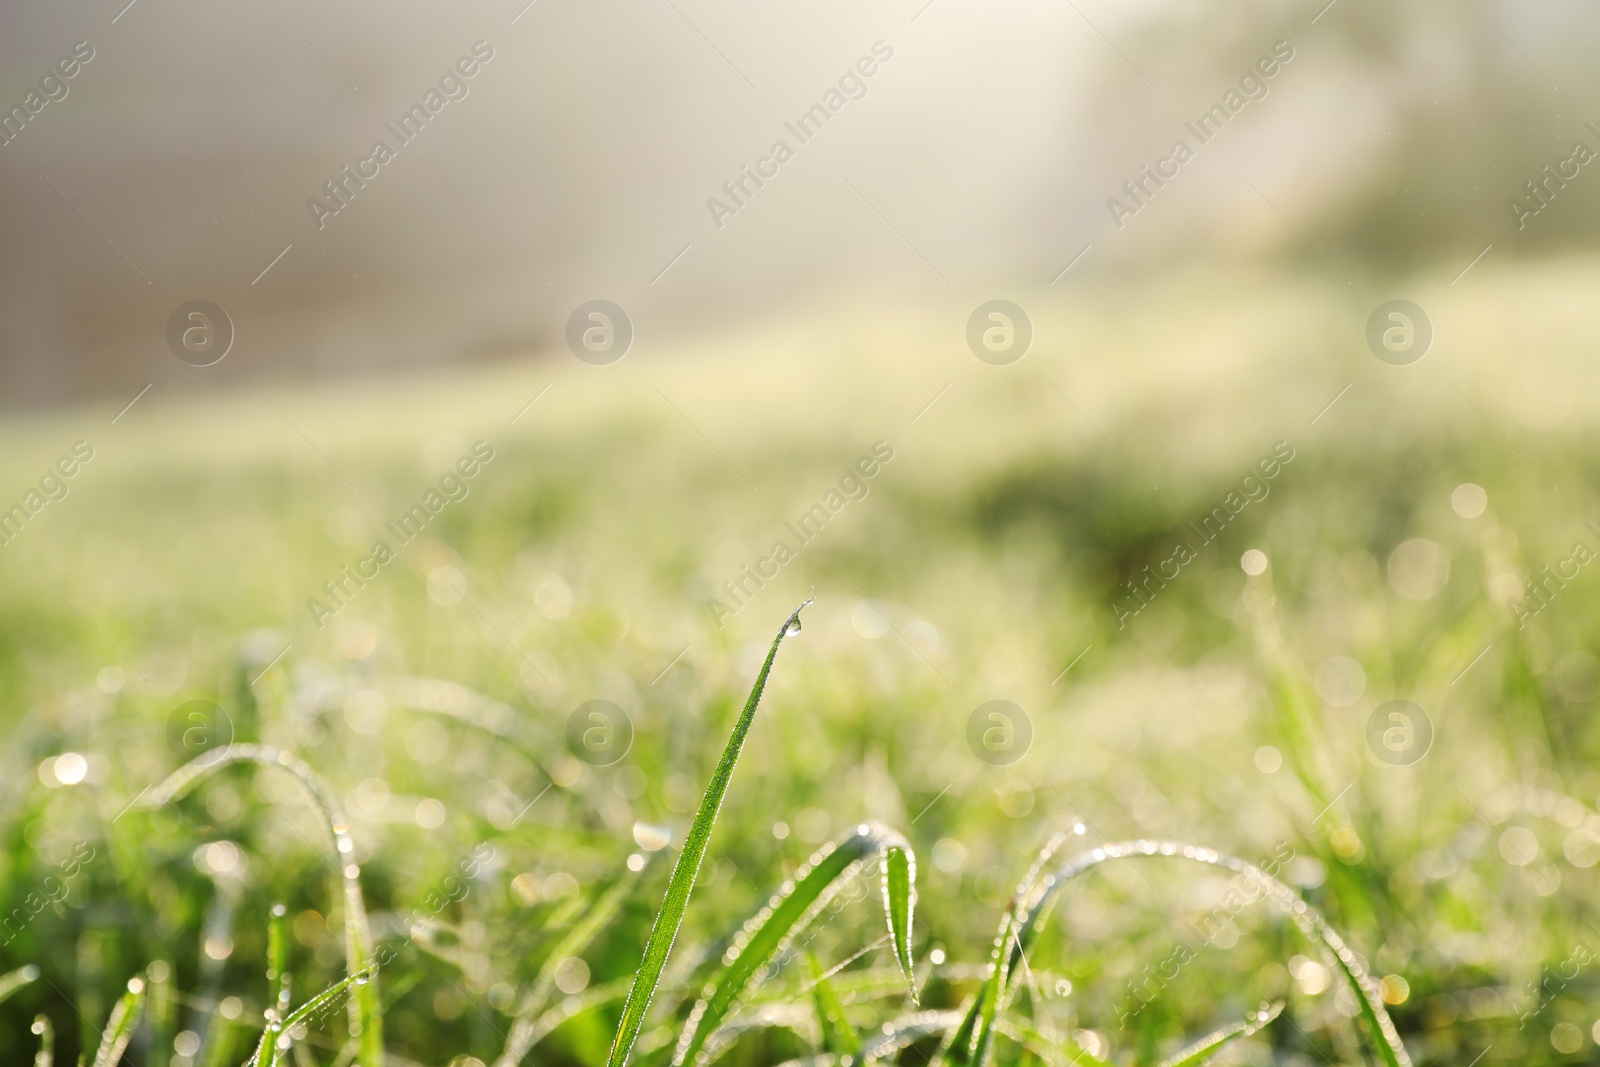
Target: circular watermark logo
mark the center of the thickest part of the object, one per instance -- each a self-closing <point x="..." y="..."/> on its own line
<point x="599" y="732"/>
<point x="196" y="727"/>
<point x="999" y="332"/>
<point x="1399" y="733"/>
<point x="999" y="732"/>
<point x="199" y="333"/>
<point x="1399" y="332"/>
<point x="599" y="332"/>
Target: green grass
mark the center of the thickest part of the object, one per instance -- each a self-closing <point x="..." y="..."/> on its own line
<point x="506" y="891"/>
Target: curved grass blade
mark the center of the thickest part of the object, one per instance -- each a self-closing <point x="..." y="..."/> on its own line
<point x="15" y="980"/>
<point x="665" y="930"/>
<point x="277" y="1036"/>
<point x="119" y="1028"/>
<point x="837" y="1033"/>
<point x="791" y="910"/>
<point x="525" y="1031"/>
<point x="970" y="1042"/>
<point x="366" y="1016"/>
<point x="1381" y="1032"/>
<point x="1210" y="1045"/>
<point x="46" y="1056"/>
<point x="900" y="902"/>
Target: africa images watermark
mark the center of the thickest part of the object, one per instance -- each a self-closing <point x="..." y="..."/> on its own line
<point x="1541" y="190"/>
<point x="55" y="886"/>
<point x="1546" y="585"/>
<point x="853" y="485"/>
<point x="453" y="488"/>
<point x="1252" y="86"/>
<point x="452" y="86"/>
<point x="53" y="89"/>
<point x="1543" y="992"/>
<point x="52" y="487"/>
<point x="852" y="85"/>
<point x="1142" y="592"/>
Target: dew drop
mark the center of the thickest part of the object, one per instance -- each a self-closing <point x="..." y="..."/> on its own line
<point x="793" y="627"/>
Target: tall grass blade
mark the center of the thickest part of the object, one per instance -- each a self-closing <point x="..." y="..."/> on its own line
<point x="366" y="1016"/>
<point x="119" y="1028"/>
<point x="665" y="930"/>
<point x="1210" y="1045"/>
<point x="791" y="910"/>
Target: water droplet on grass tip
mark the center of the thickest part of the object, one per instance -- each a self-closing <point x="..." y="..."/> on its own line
<point x="793" y="627"/>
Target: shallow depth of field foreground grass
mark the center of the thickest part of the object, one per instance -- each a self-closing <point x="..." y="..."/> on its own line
<point x="1187" y="820"/>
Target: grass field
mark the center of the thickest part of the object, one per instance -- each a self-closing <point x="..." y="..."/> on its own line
<point x="512" y="851"/>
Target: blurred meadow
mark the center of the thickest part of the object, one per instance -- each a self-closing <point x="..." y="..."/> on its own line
<point x="1194" y="662"/>
<point x="984" y="562"/>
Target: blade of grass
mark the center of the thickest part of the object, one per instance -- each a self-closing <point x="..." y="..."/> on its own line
<point x="900" y="902"/>
<point x="791" y="910"/>
<point x="665" y="930"/>
<point x="119" y="1028"/>
<point x="1210" y="1045"/>
<point x="366" y="1015"/>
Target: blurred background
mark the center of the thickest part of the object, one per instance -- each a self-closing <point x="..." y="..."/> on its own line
<point x="398" y="347"/>
<point x="578" y="164"/>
